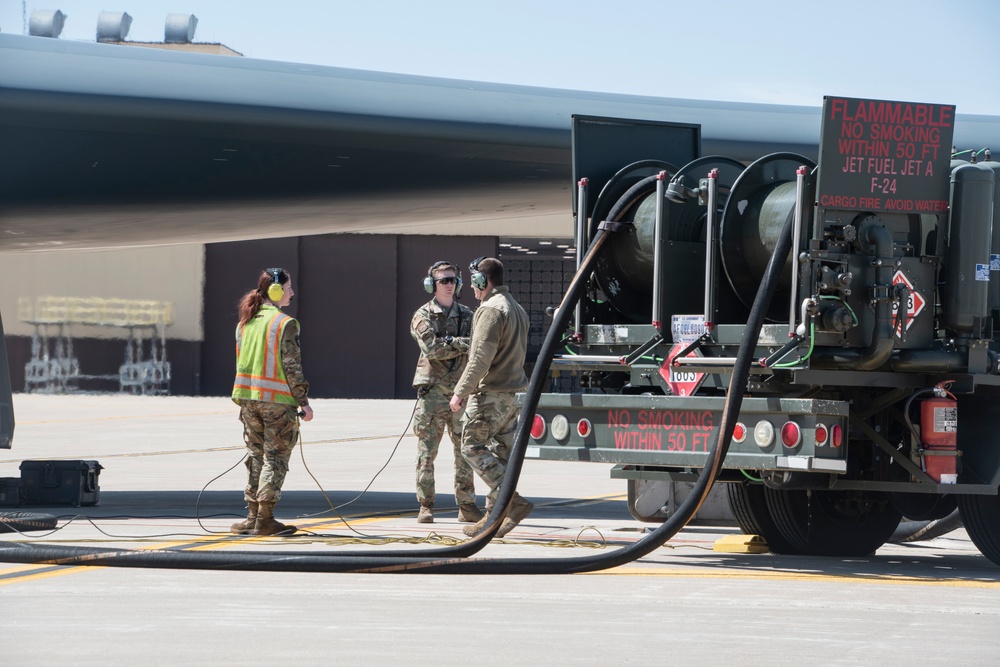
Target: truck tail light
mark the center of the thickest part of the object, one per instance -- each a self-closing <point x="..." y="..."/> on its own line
<point x="584" y="427"/>
<point x="739" y="432"/>
<point x="836" y="436"/>
<point x="538" y="428"/>
<point x="822" y="435"/>
<point x="791" y="435"/>
<point x="560" y="427"/>
<point x="763" y="433"/>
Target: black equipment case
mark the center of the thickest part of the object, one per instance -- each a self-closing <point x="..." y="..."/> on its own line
<point x="60" y="482"/>
<point x="10" y="491"/>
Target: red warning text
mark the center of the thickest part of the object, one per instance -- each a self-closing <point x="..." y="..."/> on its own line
<point x="878" y="155"/>
<point x="661" y="430"/>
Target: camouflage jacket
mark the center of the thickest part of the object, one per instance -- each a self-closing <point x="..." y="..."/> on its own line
<point x="441" y="360"/>
<point x="498" y="347"/>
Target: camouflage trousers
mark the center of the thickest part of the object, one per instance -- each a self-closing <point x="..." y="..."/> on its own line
<point x="270" y="431"/>
<point x="488" y="436"/>
<point x="433" y="416"/>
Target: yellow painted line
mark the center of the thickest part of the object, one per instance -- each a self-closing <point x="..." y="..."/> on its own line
<point x="626" y="571"/>
<point x="14" y="569"/>
<point x="34" y="573"/>
<point x="26" y="573"/>
<point x="44" y="572"/>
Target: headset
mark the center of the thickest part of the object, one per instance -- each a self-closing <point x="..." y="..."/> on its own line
<point x="275" y="291"/>
<point x="477" y="277"/>
<point x="429" y="281"/>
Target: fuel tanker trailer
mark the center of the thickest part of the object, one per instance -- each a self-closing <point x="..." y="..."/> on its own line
<point x="873" y="389"/>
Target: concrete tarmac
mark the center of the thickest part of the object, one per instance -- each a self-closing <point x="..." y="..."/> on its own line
<point x="172" y="479"/>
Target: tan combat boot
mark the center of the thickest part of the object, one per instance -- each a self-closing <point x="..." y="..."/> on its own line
<point x="469" y="513"/>
<point x="244" y="527"/>
<point x="476" y="528"/>
<point x="519" y="509"/>
<point x="266" y="525"/>
<point x="426" y="515"/>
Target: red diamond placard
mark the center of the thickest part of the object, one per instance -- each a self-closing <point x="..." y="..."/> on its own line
<point x="914" y="306"/>
<point x="681" y="382"/>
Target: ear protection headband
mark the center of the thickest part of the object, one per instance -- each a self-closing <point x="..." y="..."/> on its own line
<point x="429" y="282"/>
<point x="275" y="291"/>
<point x="477" y="277"/>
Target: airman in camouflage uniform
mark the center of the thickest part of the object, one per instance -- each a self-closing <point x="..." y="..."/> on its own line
<point x="441" y="328"/>
<point x="493" y="376"/>
<point x="271" y="430"/>
<point x="271" y="398"/>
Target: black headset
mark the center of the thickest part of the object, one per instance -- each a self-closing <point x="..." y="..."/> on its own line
<point x="275" y="291"/>
<point x="429" y="280"/>
<point x="477" y="277"/>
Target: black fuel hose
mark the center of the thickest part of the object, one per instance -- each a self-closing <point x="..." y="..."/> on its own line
<point x="129" y="558"/>
<point x="439" y="563"/>
<point x="916" y="531"/>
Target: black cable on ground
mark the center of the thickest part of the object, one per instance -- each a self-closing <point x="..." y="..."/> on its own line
<point x="442" y="560"/>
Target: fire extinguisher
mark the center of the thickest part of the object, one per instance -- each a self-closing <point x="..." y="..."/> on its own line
<point x="939" y="435"/>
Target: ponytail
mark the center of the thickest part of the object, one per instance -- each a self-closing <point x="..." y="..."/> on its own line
<point x="249" y="305"/>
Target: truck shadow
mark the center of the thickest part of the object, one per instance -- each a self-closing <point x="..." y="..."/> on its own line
<point x="934" y="564"/>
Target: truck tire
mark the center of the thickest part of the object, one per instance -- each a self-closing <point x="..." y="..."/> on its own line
<point x="747" y="502"/>
<point x="22" y="522"/>
<point x="981" y="515"/>
<point x="833" y="523"/>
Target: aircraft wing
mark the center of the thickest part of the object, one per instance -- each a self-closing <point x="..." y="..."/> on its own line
<point x="108" y="145"/>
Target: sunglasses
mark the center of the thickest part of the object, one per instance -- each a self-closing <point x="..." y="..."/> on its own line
<point x="447" y="280"/>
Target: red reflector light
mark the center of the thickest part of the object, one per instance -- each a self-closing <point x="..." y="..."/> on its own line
<point x="791" y="436"/>
<point x="583" y="427"/>
<point x="739" y="432"/>
<point x="822" y="434"/>
<point x="836" y="435"/>
<point x="538" y="428"/>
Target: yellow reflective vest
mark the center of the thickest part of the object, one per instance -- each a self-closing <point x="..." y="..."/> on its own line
<point x="260" y="375"/>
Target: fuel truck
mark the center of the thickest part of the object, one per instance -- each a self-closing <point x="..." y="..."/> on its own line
<point x="873" y="390"/>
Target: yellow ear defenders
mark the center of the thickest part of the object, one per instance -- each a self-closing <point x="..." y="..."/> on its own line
<point x="477" y="277"/>
<point x="430" y="282"/>
<point x="275" y="291"/>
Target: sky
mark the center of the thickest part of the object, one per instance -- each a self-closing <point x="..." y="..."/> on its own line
<point x="780" y="51"/>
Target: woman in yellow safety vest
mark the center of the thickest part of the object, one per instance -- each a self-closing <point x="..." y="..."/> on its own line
<point x="272" y="394"/>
